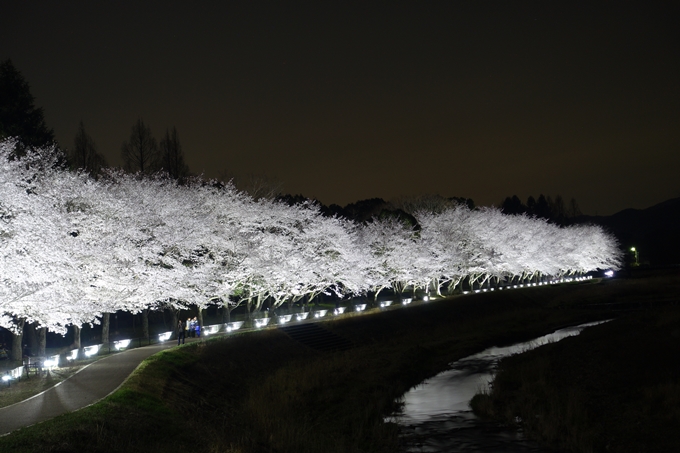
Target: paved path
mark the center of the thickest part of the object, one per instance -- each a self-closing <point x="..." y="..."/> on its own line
<point x="89" y="385"/>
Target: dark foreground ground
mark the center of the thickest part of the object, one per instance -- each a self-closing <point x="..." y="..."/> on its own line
<point x="615" y="387"/>
<point x="265" y="392"/>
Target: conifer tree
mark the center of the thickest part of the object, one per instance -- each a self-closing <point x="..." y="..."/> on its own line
<point x="84" y="154"/>
<point x="19" y="117"/>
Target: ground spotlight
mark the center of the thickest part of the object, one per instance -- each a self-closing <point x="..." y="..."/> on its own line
<point x="121" y="344"/>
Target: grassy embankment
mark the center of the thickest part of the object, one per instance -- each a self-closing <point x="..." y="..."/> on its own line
<point x="264" y="392"/>
<point x="614" y="388"/>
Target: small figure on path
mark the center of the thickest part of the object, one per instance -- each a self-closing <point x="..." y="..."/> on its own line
<point x="198" y="328"/>
<point x="181" y="335"/>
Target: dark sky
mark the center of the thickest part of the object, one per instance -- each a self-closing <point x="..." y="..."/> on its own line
<point x="460" y="98"/>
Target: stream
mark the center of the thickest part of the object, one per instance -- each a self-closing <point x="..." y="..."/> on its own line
<point x="436" y="416"/>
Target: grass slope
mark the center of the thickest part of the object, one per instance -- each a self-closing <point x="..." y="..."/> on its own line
<point x="614" y="388"/>
<point x="265" y="392"/>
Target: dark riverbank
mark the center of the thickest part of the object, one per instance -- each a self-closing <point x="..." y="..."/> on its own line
<point x="266" y="392"/>
<point x="614" y="388"/>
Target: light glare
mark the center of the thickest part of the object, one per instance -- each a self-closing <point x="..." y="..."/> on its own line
<point x="121" y="344"/>
<point x="91" y="350"/>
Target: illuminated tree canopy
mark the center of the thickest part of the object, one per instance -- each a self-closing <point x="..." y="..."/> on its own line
<point x="74" y="248"/>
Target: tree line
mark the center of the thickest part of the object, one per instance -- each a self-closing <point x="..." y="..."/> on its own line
<point x="20" y="118"/>
<point x="554" y="210"/>
<point x="80" y="244"/>
<point x="76" y="248"/>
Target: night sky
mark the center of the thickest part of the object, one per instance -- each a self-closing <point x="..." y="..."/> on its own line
<point x="458" y="98"/>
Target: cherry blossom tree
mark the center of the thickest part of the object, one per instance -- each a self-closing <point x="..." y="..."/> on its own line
<point x="75" y="249"/>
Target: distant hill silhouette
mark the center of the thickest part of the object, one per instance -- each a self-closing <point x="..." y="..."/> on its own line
<point x="363" y="211"/>
<point x="654" y="232"/>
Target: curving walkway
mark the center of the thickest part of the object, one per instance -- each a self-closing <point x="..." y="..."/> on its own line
<point x="101" y="378"/>
<point x="91" y="384"/>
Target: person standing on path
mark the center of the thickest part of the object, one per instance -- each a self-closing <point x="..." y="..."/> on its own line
<point x="181" y="335"/>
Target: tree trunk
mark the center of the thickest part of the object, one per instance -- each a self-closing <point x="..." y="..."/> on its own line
<point x="438" y="286"/>
<point x="16" y="341"/>
<point x="105" y="328"/>
<point x="248" y="308"/>
<point x="31" y="337"/>
<point x="145" y="323"/>
<point x="42" y="341"/>
<point x="175" y="321"/>
<point x="226" y="313"/>
<point x="76" y="337"/>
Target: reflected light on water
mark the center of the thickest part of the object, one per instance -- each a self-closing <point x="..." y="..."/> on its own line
<point x="451" y="391"/>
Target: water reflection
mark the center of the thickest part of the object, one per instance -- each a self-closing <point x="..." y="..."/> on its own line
<point x="436" y="416"/>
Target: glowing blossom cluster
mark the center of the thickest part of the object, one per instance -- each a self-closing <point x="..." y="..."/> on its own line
<point x="73" y="248"/>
